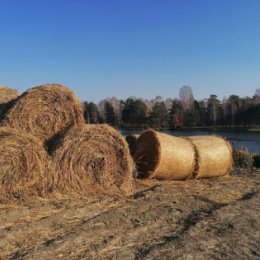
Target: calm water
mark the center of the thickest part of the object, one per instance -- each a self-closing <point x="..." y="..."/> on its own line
<point x="248" y="140"/>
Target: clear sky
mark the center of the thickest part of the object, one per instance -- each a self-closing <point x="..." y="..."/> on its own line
<point x="105" y="48"/>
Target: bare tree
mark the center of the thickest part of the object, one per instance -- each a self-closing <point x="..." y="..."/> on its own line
<point x="257" y="92"/>
<point x="213" y="107"/>
<point x="101" y="108"/>
<point x="168" y="103"/>
<point x="158" y="99"/>
<point x="186" y="97"/>
<point x="117" y="107"/>
<point x="149" y="105"/>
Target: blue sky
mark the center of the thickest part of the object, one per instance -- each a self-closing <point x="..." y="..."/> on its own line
<point x="132" y="47"/>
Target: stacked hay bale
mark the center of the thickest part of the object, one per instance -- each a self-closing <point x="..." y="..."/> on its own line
<point x="92" y="159"/>
<point x="7" y="95"/>
<point x="45" y="111"/>
<point x="86" y="159"/>
<point x="23" y="164"/>
<point x="162" y="156"/>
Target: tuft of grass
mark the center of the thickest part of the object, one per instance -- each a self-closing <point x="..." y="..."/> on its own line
<point x="243" y="159"/>
<point x="256" y="158"/>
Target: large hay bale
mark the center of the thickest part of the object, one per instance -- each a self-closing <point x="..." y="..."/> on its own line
<point x="163" y="156"/>
<point x="92" y="159"/>
<point x="214" y="156"/>
<point x="45" y="111"/>
<point x="7" y="95"/>
<point x="23" y="164"/>
<point x="132" y="141"/>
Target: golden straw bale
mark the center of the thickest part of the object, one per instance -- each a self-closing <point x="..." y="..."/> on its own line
<point x="163" y="156"/>
<point x="132" y="140"/>
<point x="214" y="156"/>
<point x="45" y="111"/>
<point x="7" y="95"/>
<point x="23" y="164"/>
<point x="92" y="159"/>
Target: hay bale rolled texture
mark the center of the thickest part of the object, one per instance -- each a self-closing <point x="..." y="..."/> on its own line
<point x="132" y="141"/>
<point x="7" y="95"/>
<point x="162" y="156"/>
<point x="214" y="156"/>
<point x="92" y="159"/>
<point x="45" y="111"/>
<point x="23" y="164"/>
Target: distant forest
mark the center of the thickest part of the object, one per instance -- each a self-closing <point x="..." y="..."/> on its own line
<point x="176" y="113"/>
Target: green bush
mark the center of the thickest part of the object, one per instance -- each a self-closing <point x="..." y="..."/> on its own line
<point x="243" y="159"/>
<point x="257" y="160"/>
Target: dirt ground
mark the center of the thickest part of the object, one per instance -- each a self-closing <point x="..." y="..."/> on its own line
<point x="206" y="219"/>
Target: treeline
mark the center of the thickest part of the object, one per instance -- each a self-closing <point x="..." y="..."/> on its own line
<point x="177" y="113"/>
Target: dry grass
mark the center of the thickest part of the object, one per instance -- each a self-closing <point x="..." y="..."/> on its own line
<point x="7" y="94"/>
<point x="92" y="159"/>
<point x="23" y="164"/>
<point x="162" y="156"/>
<point x="208" y="219"/>
<point x="45" y="111"/>
<point x="214" y="156"/>
<point x="242" y="159"/>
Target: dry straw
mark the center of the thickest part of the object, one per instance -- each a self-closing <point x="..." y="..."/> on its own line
<point x="7" y="95"/>
<point x="132" y="141"/>
<point x="23" y="164"/>
<point x="92" y="159"/>
<point x="45" y="111"/>
<point x="214" y="156"/>
<point x="162" y="156"/>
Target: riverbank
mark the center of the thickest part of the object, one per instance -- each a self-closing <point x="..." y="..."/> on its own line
<point x="227" y="129"/>
<point x="209" y="128"/>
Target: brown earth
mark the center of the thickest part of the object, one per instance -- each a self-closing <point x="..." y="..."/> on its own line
<point x="206" y="219"/>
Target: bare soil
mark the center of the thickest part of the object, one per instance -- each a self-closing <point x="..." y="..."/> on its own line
<point x="204" y="219"/>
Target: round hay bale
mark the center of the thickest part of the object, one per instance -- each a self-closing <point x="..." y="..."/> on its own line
<point x="7" y="95"/>
<point x="132" y="140"/>
<point x="214" y="156"/>
<point x="23" y="164"/>
<point x="92" y="159"/>
<point x="45" y="111"/>
<point x="163" y="156"/>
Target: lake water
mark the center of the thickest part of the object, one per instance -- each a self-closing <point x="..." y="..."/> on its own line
<point x="248" y="140"/>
